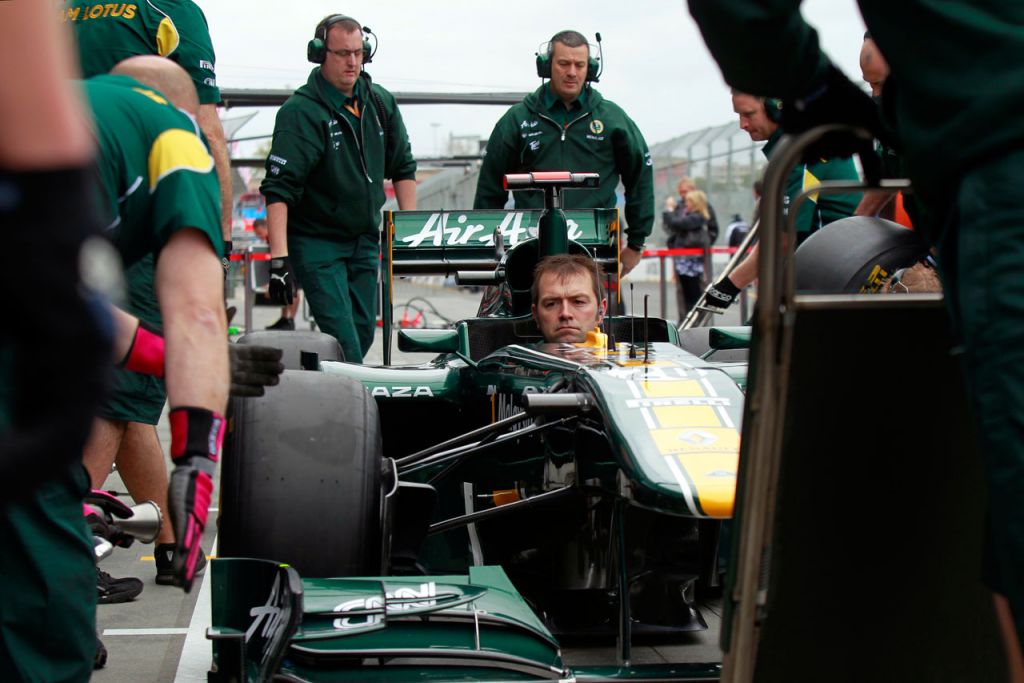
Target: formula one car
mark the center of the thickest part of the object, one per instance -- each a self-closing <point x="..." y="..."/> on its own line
<point x="446" y="521"/>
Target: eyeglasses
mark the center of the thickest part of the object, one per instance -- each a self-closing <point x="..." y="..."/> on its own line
<point x="345" y="54"/>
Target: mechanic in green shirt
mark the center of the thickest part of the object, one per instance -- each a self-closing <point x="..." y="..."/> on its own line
<point x="567" y="125"/>
<point x="335" y="141"/>
<point x="106" y="35"/>
<point x="163" y="197"/>
<point x="952" y="101"/>
<point x="759" y="117"/>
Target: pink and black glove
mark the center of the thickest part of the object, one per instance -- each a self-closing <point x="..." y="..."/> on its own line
<point x="101" y="511"/>
<point x="196" y="436"/>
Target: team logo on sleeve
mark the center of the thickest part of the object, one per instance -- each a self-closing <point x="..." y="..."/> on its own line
<point x="597" y="126"/>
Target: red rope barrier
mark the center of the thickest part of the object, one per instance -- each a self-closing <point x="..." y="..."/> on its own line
<point x="689" y="251"/>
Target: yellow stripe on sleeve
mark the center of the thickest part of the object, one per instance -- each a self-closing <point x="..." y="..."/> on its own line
<point x="811" y="181"/>
<point x="166" y="37"/>
<point x="177" y="150"/>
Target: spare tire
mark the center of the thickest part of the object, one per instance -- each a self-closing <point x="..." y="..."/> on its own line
<point x="855" y="255"/>
<point x="301" y="477"/>
<point x="294" y="344"/>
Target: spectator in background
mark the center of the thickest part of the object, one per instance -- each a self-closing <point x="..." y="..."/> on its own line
<point x="288" y="311"/>
<point x="689" y="228"/>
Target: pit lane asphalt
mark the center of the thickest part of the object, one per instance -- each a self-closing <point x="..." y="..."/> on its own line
<point x="161" y="635"/>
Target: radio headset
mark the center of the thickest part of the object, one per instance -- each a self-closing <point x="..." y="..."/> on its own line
<point x="316" y="49"/>
<point x="773" y="109"/>
<point x="595" y="66"/>
<point x="316" y="52"/>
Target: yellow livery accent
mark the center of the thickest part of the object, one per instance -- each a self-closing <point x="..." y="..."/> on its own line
<point x="714" y="478"/>
<point x="811" y="180"/>
<point x="177" y="150"/>
<point x="151" y="94"/>
<point x="167" y="38"/>
<point x="687" y="440"/>
<point x="686" y="416"/>
<point x="672" y="389"/>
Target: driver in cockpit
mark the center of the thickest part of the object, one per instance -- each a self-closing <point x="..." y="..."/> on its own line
<point x="568" y="300"/>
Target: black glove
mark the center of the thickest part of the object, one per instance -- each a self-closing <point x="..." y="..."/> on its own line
<point x="835" y="99"/>
<point x="225" y="260"/>
<point x="254" y="367"/>
<point x="282" y="281"/>
<point x="721" y="295"/>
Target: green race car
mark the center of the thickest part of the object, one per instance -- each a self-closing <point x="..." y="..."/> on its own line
<point x="506" y="494"/>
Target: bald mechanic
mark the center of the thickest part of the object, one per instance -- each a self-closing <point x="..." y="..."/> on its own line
<point x="47" y="607"/>
<point x="106" y="35"/>
<point x="162" y="199"/>
<point x="568" y="300"/>
<point x="125" y="428"/>
<point x="567" y="125"/>
<point x="953" y="79"/>
<point x="335" y="141"/>
<point x="759" y="117"/>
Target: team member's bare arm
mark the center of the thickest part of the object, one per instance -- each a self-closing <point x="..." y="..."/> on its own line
<point x="277" y="228"/>
<point x="209" y="123"/>
<point x="188" y="285"/>
<point x="633" y="161"/>
<point x="872" y="203"/>
<point x="44" y="126"/>
<point x="405" y="193"/>
<point x="401" y="165"/>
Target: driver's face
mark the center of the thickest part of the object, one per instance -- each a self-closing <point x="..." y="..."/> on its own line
<point x="567" y="308"/>
<point x="568" y="71"/>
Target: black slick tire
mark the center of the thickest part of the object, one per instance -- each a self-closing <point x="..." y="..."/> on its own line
<point x="301" y="477"/>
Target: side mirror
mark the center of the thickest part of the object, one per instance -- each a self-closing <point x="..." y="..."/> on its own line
<point x="428" y="341"/>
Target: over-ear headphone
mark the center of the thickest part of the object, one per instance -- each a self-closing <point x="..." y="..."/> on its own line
<point x="773" y="109"/>
<point x="316" y="49"/>
<point x="544" y="62"/>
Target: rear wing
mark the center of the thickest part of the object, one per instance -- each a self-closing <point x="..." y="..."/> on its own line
<point x="446" y="242"/>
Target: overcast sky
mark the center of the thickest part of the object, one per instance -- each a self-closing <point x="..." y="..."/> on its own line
<point x="656" y="65"/>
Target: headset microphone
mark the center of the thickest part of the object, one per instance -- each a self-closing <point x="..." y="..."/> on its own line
<point x="600" y="58"/>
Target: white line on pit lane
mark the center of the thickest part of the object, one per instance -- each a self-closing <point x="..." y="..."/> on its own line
<point x="144" y="631"/>
<point x="196" y="654"/>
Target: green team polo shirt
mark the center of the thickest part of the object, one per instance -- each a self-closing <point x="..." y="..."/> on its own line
<point x="110" y="32"/>
<point x="157" y="173"/>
